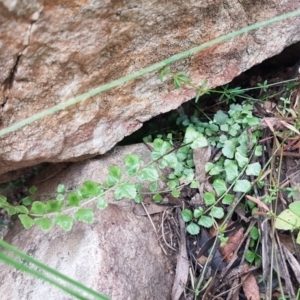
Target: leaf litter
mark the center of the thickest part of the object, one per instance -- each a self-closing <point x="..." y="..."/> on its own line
<point x="249" y="258"/>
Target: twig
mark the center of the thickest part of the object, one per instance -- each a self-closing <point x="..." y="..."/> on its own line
<point x="154" y="228"/>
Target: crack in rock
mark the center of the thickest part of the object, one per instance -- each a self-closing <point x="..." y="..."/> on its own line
<point x="9" y="81"/>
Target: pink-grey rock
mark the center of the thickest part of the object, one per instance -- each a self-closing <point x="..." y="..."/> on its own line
<point x="118" y="255"/>
<point x="53" y="50"/>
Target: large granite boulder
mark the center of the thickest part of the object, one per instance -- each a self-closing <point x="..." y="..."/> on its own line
<point x="53" y="50"/>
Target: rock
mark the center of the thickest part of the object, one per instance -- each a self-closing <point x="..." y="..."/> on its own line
<point x="118" y="255"/>
<point x="53" y="50"/>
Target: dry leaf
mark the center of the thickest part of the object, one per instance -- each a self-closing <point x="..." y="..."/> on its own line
<point x="250" y="285"/>
<point x="201" y="156"/>
<point x="294" y="264"/>
<point x="258" y="202"/>
<point x="233" y="242"/>
<point x="289" y="126"/>
<point x="182" y="268"/>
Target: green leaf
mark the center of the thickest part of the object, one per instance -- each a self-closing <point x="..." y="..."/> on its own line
<point x="26" y="221"/>
<point x="254" y="233"/>
<point x="194" y="184"/>
<point x="220" y="117"/>
<point x="38" y="208"/>
<point x="179" y="169"/>
<point x="241" y="160"/>
<point x="251" y="204"/>
<point x="65" y="222"/>
<point x="224" y="127"/>
<point x="295" y="208"/>
<point x="258" y="151"/>
<point x="242" y="186"/>
<point x="193" y="229"/>
<point x="242" y="149"/>
<point x="44" y="223"/>
<point x="138" y="198"/>
<point x="250" y="256"/>
<point x="252" y="121"/>
<point x="114" y="176"/>
<point x="32" y="190"/>
<point x="293" y="192"/>
<point x="85" y="215"/>
<point x="223" y="138"/>
<point x="229" y="148"/>
<point x="182" y="153"/>
<point x="190" y="163"/>
<point x="170" y="160"/>
<point x="198" y="212"/>
<point x="171" y="176"/>
<point x="91" y="189"/>
<point x="160" y="148"/>
<point x="234" y="129"/>
<point x="187" y="215"/>
<point x="149" y="173"/>
<point x="177" y="83"/>
<point x="219" y="186"/>
<point x="253" y="169"/>
<point x="138" y="187"/>
<point x="153" y="187"/>
<point x="217" y="169"/>
<point x="60" y="197"/>
<point x="132" y="163"/>
<point x="172" y="184"/>
<point x="102" y="203"/>
<point x="162" y="73"/>
<point x="287" y="220"/>
<point x="11" y="210"/>
<point x="157" y="198"/>
<point x="181" y="77"/>
<point x="217" y="212"/>
<point x="61" y="188"/>
<point x="26" y="201"/>
<point x="195" y="138"/>
<point x="231" y="170"/>
<point x="228" y="199"/>
<point x="188" y="174"/>
<point x="175" y="193"/>
<point x="2" y="200"/>
<point x="21" y="209"/>
<point x="147" y="139"/>
<point x="53" y="206"/>
<point x="200" y="142"/>
<point x="125" y="190"/>
<point x="74" y="199"/>
<point x="209" y="198"/>
<point x="206" y="221"/>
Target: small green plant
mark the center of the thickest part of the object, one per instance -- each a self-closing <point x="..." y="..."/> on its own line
<point x="252" y="255"/>
<point x="66" y="207"/>
<point x="285" y="103"/>
<point x="230" y="133"/>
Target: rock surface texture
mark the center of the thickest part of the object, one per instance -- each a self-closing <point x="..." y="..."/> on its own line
<point x="118" y="255"/>
<point x="53" y="50"/>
